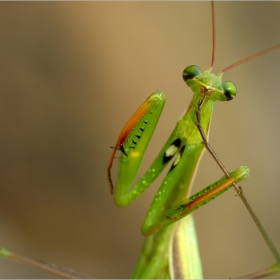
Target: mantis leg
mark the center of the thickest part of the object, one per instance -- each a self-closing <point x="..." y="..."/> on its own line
<point x="173" y="250"/>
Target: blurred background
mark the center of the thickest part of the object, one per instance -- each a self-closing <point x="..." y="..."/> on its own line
<point x="71" y="76"/>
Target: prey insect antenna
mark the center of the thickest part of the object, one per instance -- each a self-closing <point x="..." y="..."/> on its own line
<point x="274" y="268"/>
<point x="206" y="143"/>
<point x="64" y="273"/>
<point x="262" y="273"/>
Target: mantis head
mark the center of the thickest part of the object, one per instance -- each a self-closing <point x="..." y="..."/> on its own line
<point x="208" y="84"/>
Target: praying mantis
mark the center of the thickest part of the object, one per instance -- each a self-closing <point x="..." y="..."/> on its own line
<point x="223" y="54"/>
<point x="171" y="251"/>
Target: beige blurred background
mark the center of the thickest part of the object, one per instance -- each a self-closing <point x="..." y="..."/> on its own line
<point x="71" y="76"/>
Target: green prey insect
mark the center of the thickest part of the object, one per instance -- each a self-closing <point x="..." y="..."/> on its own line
<point x="171" y="249"/>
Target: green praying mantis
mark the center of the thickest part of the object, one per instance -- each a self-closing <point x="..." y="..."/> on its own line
<point x="239" y="96"/>
<point x="171" y="250"/>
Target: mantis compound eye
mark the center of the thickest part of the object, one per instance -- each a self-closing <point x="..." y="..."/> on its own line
<point x="190" y="72"/>
<point x="229" y="90"/>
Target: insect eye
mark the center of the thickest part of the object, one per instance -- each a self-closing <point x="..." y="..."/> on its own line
<point x="229" y="90"/>
<point x="191" y="72"/>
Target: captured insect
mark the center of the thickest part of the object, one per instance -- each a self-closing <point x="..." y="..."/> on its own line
<point x="240" y="94"/>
